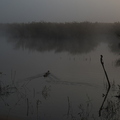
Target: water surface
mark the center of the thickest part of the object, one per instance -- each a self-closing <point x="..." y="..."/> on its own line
<point x="74" y="87"/>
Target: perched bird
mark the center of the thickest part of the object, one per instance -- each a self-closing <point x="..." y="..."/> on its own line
<point x="46" y="74"/>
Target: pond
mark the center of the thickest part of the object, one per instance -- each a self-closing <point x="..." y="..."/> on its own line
<point x="58" y="79"/>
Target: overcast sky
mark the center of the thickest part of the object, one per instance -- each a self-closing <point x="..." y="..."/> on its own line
<point x="59" y="10"/>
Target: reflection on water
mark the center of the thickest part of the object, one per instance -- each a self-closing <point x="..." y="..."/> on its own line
<point x="73" y="46"/>
<point x="57" y="79"/>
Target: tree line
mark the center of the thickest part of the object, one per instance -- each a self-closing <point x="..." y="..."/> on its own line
<point x="67" y="30"/>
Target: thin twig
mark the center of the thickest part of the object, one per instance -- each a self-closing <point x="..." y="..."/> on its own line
<point x="101" y="60"/>
<point x="68" y="113"/>
<point x="27" y="107"/>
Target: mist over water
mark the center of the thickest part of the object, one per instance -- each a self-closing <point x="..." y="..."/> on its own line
<point x="62" y="37"/>
<point x="53" y="71"/>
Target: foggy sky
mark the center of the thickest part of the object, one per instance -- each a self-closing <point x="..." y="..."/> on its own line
<point x="59" y="10"/>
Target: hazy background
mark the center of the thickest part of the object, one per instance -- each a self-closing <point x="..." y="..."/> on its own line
<point x="59" y="10"/>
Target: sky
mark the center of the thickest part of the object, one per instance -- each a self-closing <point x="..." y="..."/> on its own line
<point x="59" y="11"/>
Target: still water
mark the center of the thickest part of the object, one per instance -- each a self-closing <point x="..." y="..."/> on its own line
<point x="74" y="87"/>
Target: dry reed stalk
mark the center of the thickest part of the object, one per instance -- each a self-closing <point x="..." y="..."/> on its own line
<point x="27" y="107"/>
<point x="101" y="60"/>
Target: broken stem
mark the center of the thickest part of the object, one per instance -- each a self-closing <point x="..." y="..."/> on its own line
<point x="101" y="60"/>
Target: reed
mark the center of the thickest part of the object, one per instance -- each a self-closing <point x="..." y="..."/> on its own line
<point x="37" y="106"/>
<point x="27" y="107"/>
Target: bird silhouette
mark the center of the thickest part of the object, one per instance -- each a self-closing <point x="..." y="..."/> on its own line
<point x="46" y="74"/>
